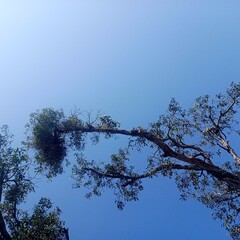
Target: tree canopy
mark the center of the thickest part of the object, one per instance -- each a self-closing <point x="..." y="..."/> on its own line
<point x="196" y="147"/>
<point x="16" y="183"/>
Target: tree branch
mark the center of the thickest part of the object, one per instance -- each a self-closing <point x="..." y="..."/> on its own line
<point x="3" y="229"/>
<point x="188" y="146"/>
<point x="228" y="148"/>
<point x="145" y="175"/>
<point x="229" y="178"/>
<point x="222" y="113"/>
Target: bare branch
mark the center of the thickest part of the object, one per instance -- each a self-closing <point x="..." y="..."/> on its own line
<point x="226" y="146"/>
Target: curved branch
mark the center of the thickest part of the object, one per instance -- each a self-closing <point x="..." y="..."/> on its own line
<point x="150" y="173"/>
<point x="229" y="178"/>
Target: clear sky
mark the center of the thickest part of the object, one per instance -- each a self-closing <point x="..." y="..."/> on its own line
<point x="126" y="58"/>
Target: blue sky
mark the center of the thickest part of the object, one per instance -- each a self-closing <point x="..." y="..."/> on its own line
<point x="127" y="59"/>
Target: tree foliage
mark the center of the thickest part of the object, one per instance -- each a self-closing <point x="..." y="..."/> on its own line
<point x="196" y="147"/>
<point x="44" y="223"/>
<point x="15" y="184"/>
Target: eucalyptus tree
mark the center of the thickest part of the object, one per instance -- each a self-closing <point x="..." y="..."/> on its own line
<point x="196" y="147"/>
<point x="15" y="184"/>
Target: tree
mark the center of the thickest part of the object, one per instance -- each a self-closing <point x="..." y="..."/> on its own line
<point x="15" y="184"/>
<point x="195" y="147"/>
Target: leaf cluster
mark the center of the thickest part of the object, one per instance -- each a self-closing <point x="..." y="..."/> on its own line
<point x="16" y="183"/>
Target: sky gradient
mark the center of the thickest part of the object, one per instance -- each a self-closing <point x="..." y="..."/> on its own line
<point x="127" y="59"/>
